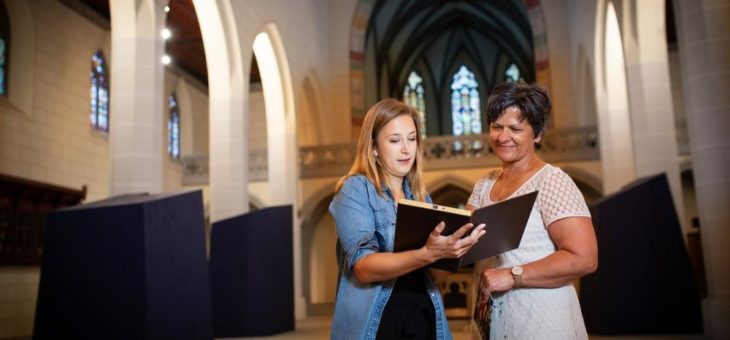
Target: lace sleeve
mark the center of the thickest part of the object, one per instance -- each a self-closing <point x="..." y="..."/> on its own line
<point x="476" y="195"/>
<point x="480" y="189"/>
<point x="560" y="198"/>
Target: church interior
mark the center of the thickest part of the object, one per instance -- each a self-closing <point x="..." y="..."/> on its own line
<point x="258" y="104"/>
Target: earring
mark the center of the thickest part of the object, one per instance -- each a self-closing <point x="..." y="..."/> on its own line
<point x="375" y="154"/>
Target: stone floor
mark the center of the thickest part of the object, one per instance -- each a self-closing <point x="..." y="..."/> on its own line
<point x="316" y="328"/>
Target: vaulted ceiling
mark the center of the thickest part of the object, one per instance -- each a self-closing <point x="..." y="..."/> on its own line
<point x="185" y="46"/>
<point x="435" y="38"/>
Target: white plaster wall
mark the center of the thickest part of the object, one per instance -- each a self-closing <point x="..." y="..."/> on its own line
<point x="303" y="27"/>
<point x="257" y="121"/>
<point x="172" y="170"/>
<point x="675" y="74"/>
<point x="18" y="294"/>
<point x="54" y="143"/>
<point x="199" y="108"/>
<point x="192" y="100"/>
<point x="581" y="21"/>
<point x="341" y="13"/>
<point x="323" y="263"/>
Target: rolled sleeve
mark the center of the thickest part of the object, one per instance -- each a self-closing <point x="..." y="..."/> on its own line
<point x="355" y="221"/>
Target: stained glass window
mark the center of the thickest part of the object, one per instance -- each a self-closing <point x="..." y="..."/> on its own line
<point x="173" y="128"/>
<point x="3" y="53"/>
<point x="465" y="113"/>
<point x="413" y="96"/>
<point x="99" y="115"/>
<point x="4" y="44"/>
<point x="512" y="74"/>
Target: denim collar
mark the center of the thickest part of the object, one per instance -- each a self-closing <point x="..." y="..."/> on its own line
<point x="406" y="190"/>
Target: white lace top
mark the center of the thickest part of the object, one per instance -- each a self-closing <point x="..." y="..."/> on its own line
<point x="534" y="313"/>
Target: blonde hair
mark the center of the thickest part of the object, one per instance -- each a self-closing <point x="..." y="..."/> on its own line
<point x="365" y="164"/>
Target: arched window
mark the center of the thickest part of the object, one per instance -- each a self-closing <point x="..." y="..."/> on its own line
<point x="413" y="96"/>
<point x="4" y="47"/>
<point x="466" y="118"/>
<point x="512" y="74"/>
<point x="99" y="93"/>
<point x="173" y="128"/>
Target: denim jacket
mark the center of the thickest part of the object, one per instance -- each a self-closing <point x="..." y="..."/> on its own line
<point x="366" y="225"/>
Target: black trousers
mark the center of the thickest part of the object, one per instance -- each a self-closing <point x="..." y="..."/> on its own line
<point x="409" y="313"/>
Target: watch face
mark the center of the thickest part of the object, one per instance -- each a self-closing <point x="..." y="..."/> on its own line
<point x="517" y="270"/>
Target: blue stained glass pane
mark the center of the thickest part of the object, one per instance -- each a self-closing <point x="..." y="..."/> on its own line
<point x="465" y="112"/>
<point x="99" y="93"/>
<point x="413" y="95"/>
<point x="512" y="74"/>
<point x="173" y="128"/>
<point x="2" y="81"/>
<point x="92" y="94"/>
<point x="2" y="66"/>
<point x="103" y="109"/>
<point x="102" y="123"/>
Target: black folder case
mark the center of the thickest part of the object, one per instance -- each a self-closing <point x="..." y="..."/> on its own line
<point x="505" y="223"/>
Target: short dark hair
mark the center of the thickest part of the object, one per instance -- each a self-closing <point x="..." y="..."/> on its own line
<point x="531" y="99"/>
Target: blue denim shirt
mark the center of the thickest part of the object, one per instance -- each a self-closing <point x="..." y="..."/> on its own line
<point x="366" y="225"/>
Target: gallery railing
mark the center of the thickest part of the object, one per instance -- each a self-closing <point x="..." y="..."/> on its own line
<point x="440" y="152"/>
<point x="455" y="152"/>
<point x="195" y="168"/>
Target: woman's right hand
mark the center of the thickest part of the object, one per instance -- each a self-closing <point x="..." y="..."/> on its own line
<point x="453" y="246"/>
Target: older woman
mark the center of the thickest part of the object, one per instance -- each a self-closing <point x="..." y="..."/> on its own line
<point x="527" y="293"/>
<point x="382" y="294"/>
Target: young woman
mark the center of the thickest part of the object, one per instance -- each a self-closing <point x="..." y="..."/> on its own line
<point x="382" y="294"/>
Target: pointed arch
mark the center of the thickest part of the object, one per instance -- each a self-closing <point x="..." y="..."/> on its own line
<point x="227" y="92"/>
<point x="450" y="190"/>
<point x="281" y="135"/>
<point x="280" y="117"/>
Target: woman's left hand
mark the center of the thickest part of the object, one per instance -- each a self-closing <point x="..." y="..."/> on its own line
<point x="497" y="280"/>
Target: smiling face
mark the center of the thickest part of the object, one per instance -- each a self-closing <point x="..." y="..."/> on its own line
<point x="396" y="145"/>
<point x="512" y="137"/>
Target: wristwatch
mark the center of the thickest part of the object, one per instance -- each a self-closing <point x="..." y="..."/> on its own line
<point x="517" y="275"/>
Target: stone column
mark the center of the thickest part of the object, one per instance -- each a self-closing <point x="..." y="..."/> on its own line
<point x="704" y="51"/>
<point x="614" y="121"/>
<point x="281" y="140"/>
<point x="135" y="128"/>
<point x="228" y="166"/>
<point x="650" y="97"/>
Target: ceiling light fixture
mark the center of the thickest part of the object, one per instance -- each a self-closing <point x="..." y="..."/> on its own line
<point x="166" y="34"/>
<point x="167" y="8"/>
<point x="166" y="59"/>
